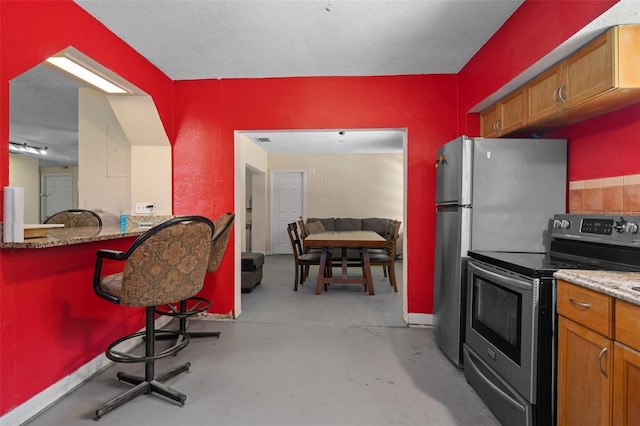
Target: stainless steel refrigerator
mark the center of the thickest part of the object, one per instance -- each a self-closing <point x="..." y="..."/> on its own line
<point x="495" y="195"/>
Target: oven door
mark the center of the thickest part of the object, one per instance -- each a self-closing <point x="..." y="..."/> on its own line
<point x="500" y="326"/>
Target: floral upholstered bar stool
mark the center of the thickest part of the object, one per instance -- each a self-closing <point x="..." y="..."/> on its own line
<point x="166" y="264"/>
<point x="195" y="305"/>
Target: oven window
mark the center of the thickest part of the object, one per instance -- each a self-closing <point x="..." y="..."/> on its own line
<point x="497" y="316"/>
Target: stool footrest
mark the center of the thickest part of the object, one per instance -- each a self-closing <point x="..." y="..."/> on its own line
<point x="117" y="356"/>
<point x="191" y="306"/>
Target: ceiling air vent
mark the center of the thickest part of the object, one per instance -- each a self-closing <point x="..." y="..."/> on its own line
<point x="263" y="140"/>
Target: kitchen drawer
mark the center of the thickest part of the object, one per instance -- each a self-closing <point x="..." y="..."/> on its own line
<point x="587" y="307"/>
<point x="628" y="324"/>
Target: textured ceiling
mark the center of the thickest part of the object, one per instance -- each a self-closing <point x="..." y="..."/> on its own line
<point x="252" y="39"/>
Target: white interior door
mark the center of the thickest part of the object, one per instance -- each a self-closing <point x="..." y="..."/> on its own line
<point x="287" y="201"/>
<point x="55" y="195"/>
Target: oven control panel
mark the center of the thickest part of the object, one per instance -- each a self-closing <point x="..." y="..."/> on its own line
<point x="596" y="226"/>
<point x="611" y="229"/>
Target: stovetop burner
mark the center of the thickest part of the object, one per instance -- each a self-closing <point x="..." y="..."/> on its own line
<point x="594" y="242"/>
<point x="528" y="264"/>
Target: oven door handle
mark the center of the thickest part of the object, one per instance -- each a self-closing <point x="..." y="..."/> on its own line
<point x="498" y="278"/>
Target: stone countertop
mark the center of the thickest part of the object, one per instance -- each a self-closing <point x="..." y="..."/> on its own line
<point x="621" y="285"/>
<point x="67" y="236"/>
<point x="136" y="225"/>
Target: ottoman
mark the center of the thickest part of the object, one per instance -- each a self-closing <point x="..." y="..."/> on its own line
<point x="251" y="271"/>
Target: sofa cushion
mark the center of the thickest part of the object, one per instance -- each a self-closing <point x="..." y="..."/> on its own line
<point x="328" y="223"/>
<point x="348" y="224"/>
<point x="315" y="227"/>
<point x="375" y="224"/>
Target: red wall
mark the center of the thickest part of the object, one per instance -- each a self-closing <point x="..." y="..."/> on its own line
<point x="605" y="146"/>
<point x="424" y="105"/>
<point x="52" y="322"/>
<point x="39" y="305"/>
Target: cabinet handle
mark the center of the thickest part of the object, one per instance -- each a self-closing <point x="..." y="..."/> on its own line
<point x="555" y="96"/>
<point x="602" y="352"/>
<point x="562" y="98"/>
<point x="496" y="125"/>
<point x="580" y="304"/>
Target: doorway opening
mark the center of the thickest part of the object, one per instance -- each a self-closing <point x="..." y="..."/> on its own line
<point x="345" y="173"/>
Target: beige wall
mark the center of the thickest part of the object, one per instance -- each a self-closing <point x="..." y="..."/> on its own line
<point x="253" y="173"/>
<point x="348" y="185"/>
<point x="104" y="181"/>
<point x="150" y="151"/>
<point x="337" y="185"/>
<point x="121" y="161"/>
<point x="23" y="172"/>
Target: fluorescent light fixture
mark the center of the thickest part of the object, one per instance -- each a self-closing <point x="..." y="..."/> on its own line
<point x="84" y="74"/>
<point x="28" y="149"/>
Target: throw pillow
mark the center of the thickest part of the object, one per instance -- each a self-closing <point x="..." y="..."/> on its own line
<point x="315" y="227"/>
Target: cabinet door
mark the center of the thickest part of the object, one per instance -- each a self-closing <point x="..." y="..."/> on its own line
<point x="512" y="111"/>
<point x="542" y="94"/>
<point x="626" y="392"/>
<point x="585" y="384"/>
<point x="590" y="71"/>
<point x="489" y="122"/>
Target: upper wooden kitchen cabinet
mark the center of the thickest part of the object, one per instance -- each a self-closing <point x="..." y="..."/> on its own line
<point x="542" y="94"/>
<point x="602" y="76"/>
<point x="504" y="116"/>
<point x="586" y="74"/>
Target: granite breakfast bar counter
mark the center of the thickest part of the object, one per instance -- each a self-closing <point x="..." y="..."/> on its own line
<point x="136" y="226"/>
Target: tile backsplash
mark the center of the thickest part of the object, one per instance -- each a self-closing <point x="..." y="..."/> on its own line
<point x="612" y="195"/>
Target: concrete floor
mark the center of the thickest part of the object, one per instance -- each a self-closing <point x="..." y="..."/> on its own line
<point x="294" y="358"/>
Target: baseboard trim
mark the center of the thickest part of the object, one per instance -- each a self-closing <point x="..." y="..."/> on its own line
<point x="43" y="400"/>
<point x="419" y="320"/>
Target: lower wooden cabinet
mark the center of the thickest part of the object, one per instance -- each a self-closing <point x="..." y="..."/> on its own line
<point x="598" y="372"/>
<point x="626" y="386"/>
<point x="585" y="385"/>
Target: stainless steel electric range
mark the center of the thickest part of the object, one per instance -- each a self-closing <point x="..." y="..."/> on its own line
<point x="510" y="342"/>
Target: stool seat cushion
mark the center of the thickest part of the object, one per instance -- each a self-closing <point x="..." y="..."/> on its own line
<point x="112" y="284"/>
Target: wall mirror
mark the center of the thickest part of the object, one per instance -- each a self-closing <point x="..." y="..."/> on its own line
<point x="72" y="145"/>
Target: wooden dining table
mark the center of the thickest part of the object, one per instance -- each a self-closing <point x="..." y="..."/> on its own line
<point x="344" y="240"/>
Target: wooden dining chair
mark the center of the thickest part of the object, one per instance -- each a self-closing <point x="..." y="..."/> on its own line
<point x="387" y="257"/>
<point x="303" y="232"/>
<point x="391" y="235"/>
<point x="304" y="260"/>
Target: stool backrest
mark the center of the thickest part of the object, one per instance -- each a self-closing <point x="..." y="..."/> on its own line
<point x="167" y="263"/>
<point x="75" y="218"/>
<point x="220" y="240"/>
